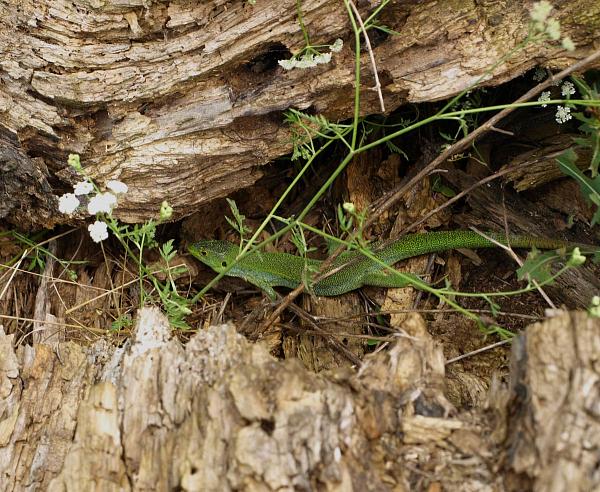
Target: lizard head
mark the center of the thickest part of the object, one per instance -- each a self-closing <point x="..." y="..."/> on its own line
<point x="216" y="254"/>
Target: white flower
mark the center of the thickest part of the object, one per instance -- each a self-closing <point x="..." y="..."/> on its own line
<point x="117" y="186"/>
<point x="553" y="29"/>
<point x="83" y="188"/>
<point x="337" y="46"/>
<point x="563" y="114"/>
<point x="544" y="96"/>
<point x="68" y="203"/>
<point x="102" y="202"/>
<point x="307" y="61"/>
<point x="98" y="231"/>
<point x="568" y="44"/>
<point x="322" y="58"/>
<point x="541" y="11"/>
<point x="287" y="64"/>
<point x="567" y="89"/>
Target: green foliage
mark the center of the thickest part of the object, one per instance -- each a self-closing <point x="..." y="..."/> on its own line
<point x="38" y="254"/>
<point x="237" y="223"/>
<point x="123" y="321"/>
<point x="136" y="240"/>
<point x="165" y="293"/>
<point x="307" y="128"/>
<point x="590" y="187"/>
<point x="311" y="134"/>
<point x="537" y="267"/>
<point x="590" y="127"/>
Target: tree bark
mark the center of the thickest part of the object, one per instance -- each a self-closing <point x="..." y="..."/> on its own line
<point x="221" y="414"/>
<point x="183" y="100"/>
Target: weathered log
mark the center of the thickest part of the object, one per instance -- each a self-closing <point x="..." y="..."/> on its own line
<point x="221" y="414"/>
<point x="182" y="100"/>
<point x="553" y="432"/>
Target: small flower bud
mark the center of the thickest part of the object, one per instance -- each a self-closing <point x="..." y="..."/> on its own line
<point x="166" y="211"/>
<point x="349" y="207"/>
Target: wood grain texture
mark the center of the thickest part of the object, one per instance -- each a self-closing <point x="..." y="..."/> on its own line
<point x="553" y="431"/>
<point x="219" y="414"/>
<point x="183" y="100"/>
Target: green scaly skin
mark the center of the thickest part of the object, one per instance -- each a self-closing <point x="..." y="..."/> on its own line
<point x="268" y="270"/>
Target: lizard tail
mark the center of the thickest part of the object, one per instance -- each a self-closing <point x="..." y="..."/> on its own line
<point x="434" y="242"/>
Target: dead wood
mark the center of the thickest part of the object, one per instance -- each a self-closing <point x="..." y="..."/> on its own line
<point x="493" y="207"/>
<point x="183" y="100"/>
<point x="221" y="414"/>
<point x="553" y="431"/>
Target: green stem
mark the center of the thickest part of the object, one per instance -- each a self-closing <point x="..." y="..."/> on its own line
<point x="301" y="23"/>
<point x="453" y="114"/>
<point x="356" y="75"/>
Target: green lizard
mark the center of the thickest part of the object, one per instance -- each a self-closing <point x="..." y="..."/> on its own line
<point x="353" y="270"/>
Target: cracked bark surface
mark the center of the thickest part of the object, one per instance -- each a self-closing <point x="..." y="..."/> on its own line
<point x="183" y="100"/>
<point x="221" y="414"/>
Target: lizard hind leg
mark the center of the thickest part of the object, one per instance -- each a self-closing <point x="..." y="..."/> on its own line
<point x="266" y="288"/>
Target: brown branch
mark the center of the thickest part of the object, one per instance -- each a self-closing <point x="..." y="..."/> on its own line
<point x="386" y="202"/>
<point x="393" y="197"/>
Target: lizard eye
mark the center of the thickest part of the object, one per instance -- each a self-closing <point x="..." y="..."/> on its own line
<point x="223" y="264"/>
<point x="203" y="252"/>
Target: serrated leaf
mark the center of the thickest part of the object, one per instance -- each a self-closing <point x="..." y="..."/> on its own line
<point x="397" y="150"/>
<point x="231" y="222"/>
<point x="167" y="251"/>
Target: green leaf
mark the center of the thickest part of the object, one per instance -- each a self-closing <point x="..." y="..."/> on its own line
<point x="237" y="223"/>
<point x="123" y="321"/>
<point x="439" y="187"/>
<point x="494" y="307"/>
<point x="537" y="267"/>
<point x="590" y="188"/>
<point x="394" y="148"/>
<point x="167" y="251"/>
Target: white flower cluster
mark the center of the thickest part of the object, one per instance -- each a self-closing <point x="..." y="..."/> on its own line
<point x="567" y="89"/>
<point x="544" y="96"/>
<point x="563" y="114"/>
<point x="309" y="60"/>
<point x="543" y="23"/>
<point x="99" y="203"/>
<point x="98" y="231"/>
